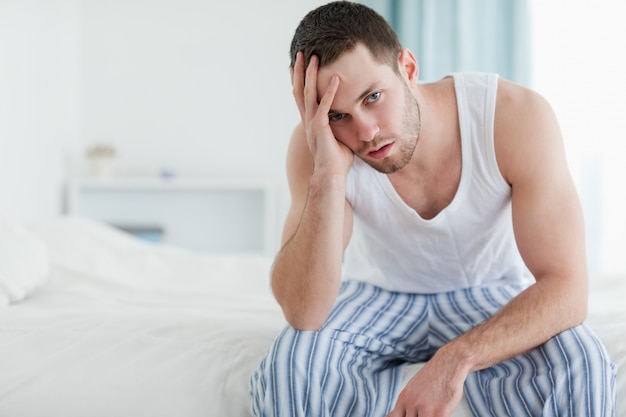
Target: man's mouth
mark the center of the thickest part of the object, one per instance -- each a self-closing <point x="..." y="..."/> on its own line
<point x="380" y="152"/>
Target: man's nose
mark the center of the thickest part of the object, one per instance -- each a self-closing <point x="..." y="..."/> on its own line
<point x="366" y="128"/>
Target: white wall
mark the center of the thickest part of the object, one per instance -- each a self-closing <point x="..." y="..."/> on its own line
<point x="39" y="73"/>
<point x="580" y="69"/>
<point x="200" y="87"/>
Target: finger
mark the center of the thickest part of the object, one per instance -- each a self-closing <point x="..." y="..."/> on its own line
<point x="297" y="81"/>
<point x="329" y="95"/>
<point x="396" y="412"/>
<point x="310" y="87"/>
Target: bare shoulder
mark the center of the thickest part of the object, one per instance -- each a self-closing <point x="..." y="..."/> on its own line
<point x="515" y="97"/>
<point x="527" y="136"/>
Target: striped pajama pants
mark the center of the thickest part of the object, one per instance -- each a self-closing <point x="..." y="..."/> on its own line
<point x="354" y="365"/>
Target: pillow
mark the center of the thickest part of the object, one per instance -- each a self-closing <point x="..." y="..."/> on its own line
<point x="23" y="262"/>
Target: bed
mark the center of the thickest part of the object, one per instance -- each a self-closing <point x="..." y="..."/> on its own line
<point x="94" y="322"/>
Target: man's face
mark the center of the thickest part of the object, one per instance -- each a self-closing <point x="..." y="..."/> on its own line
<point x="374" y="112"/>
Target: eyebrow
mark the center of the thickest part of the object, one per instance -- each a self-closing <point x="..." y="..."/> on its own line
<point x="366" y="92"/>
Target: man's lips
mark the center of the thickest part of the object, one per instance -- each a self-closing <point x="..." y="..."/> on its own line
<point x="381" y="152"/>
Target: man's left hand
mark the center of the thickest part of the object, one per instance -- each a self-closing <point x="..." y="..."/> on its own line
<point x="435" y="391"/>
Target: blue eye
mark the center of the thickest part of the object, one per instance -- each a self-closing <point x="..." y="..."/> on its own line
<point x="336" y="117"/>
<point x="373" y="97"/>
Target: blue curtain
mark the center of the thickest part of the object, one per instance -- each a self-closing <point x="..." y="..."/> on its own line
<point x="463" y="35"/>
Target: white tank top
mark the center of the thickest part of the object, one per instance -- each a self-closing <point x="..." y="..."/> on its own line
<point x="469" y="243"/>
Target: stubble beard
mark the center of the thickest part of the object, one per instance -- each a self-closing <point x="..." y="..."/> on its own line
<point x="407" y="140"/>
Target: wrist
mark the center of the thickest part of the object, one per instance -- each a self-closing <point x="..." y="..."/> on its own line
<point x="460" y="359"/>
<point x="324" y="179"/>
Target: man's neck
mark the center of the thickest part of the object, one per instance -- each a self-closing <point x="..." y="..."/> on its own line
<point x="429" y="181"/>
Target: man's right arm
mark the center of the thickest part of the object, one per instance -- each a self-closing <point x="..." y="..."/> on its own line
<point x="306" y="274"/>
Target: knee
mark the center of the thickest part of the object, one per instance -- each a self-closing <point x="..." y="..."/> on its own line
<point x="258" y="391"/>
<point x="569" y="375"/>
<point x="283" y="372"/>
<point x="584" y="369"/>
<point x="582" y="351"/>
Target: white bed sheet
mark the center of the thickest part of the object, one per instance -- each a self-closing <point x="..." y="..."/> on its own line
<point x="123" y="328"/>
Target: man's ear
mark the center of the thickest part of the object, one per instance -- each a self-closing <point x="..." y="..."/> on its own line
<point x="407" y="64"/>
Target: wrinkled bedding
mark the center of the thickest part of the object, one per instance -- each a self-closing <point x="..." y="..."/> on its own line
<point x="125" y="328"/>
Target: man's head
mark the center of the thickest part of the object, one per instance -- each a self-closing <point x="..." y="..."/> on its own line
<point x="337" y="27"/>
<point x="374" y="111"/>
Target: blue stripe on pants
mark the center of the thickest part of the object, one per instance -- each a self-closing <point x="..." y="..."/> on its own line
<point x="354" y="365"/>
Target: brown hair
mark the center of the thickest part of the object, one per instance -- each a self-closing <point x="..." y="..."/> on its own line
<point x="337" y="27"/>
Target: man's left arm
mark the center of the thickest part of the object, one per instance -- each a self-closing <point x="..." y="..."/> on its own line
<point x="549" y="231"/>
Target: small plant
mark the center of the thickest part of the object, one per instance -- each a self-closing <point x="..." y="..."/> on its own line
<point x="100" y="151"/>
<point x="101" y="158"/>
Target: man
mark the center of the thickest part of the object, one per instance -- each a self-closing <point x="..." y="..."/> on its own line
<point x="443" y="196"/>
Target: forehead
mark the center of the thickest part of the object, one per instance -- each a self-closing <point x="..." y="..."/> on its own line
<point x="357" y="70"/>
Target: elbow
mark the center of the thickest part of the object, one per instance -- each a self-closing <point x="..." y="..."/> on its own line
<point x="303" y="310"/>
<point x="304" y="318"/>
<point x="579" y="315"/>
<point x="301" y="317"/>
<point x="302" y="323"/>
<point x="578" y="310"/>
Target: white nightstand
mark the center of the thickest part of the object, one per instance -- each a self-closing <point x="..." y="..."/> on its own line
<point x="237" y="215"/>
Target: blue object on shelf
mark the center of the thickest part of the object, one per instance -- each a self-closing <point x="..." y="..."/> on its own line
<point x="147" y="233"/>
